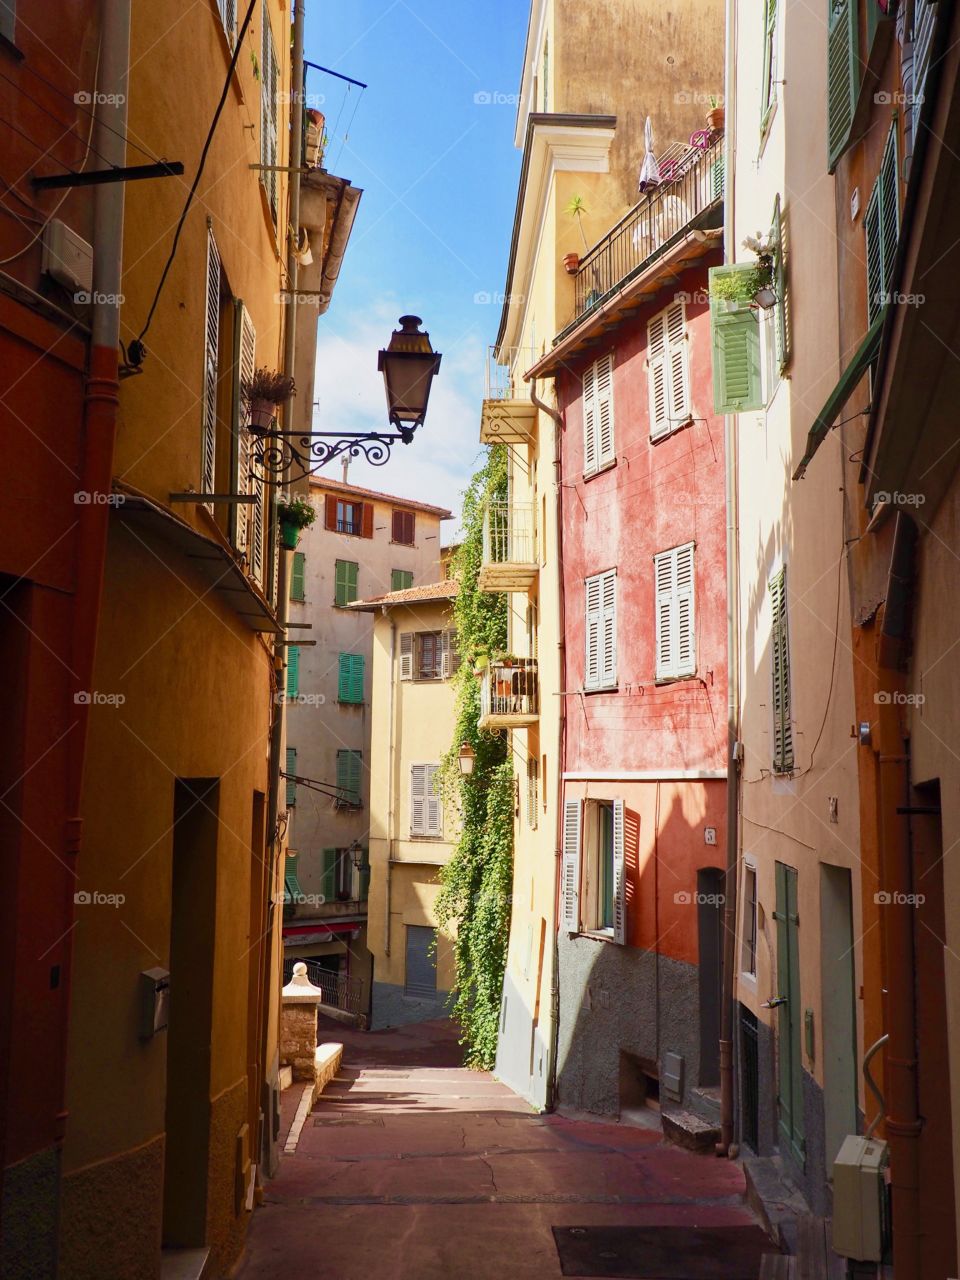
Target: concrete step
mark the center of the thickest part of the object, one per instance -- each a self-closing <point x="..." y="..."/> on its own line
<point x="690" y="1131"/>
<point x="706" y="1102"/>
<point x="774" y="1199"/>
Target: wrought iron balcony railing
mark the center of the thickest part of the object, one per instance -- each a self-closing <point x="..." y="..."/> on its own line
<point x="691" y="190"/>
<point x="339" y="990"/>
<point x="509" y="693"/>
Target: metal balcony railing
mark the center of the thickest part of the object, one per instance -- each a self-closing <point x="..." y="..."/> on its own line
<point x="505" y="381"/>
<point x="339" y="990"/>
<point x="691" y="187"/>
<point x="509" y="533"/>
<point x="510" y="688"/>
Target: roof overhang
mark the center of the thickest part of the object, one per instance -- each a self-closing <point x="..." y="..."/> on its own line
<point x="636" y="292"/>
<point x="328" y="208"/>
<point x="214" y="563"/>
<point x="554" y="144"/>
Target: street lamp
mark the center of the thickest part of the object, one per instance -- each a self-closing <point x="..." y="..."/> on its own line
<point x="356" y="853"/>
<point x="467" y="758"/>
<point x="408" y="364"/>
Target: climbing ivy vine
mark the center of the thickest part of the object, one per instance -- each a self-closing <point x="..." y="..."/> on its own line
<point x="477" y="882"/>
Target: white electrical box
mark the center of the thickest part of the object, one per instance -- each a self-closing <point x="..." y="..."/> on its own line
<point x="67" y="258"/>
<point x="860" y="1199"/>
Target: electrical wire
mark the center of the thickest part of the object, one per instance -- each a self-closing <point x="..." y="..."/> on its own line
<point x="136" y="351"/>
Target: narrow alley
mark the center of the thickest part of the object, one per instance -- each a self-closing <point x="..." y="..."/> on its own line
<point x="413" y="1166"/>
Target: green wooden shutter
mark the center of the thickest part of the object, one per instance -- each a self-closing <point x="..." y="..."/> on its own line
<point x="348" y="776"/>
<point x="874" y="247"/>
<point x="735" y="335"/>
<point x="780" y="675"/>
<point x="291" y="769"/>
<point x="889" y="206"/>
<point x="843" y="76"/>
<point x="781" y="323"/>
<point x="346" y="581"/>
<point x="352" y="570"/>
<point x="790" y="1072"/>
<point x="401" y="579"/>
<point x="297" y="585"/>
<point x="293" y="671"/>
<point x="350" y="677"/>
<point x="291" y="881"/>
<point x="768" y="90"/>
<point x="328" y="878"/>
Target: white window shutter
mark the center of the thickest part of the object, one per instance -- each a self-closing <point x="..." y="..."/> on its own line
<point x="606" y="450"/>
<point x="678" y="375"/>
<point x="406" y="655"/>
<point x="663" y="575"/>
<point x="686" y="645"/>
<point x="211" y="349"/>
<point x="418" y="799"/>
<point x="608" y="604"/>
<point x="656" y="374"/>
<point x="446" y="654"/>
<point x="571" y="865"/>
<point x="591" y="668"/>
<point x="619" y="877"/>
<point x="590" y="420"/>
<point x="249" y="531"/>
<point x="434" y="811"/>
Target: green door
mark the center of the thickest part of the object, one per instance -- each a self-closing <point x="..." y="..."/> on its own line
<point x="790" y="1093"/>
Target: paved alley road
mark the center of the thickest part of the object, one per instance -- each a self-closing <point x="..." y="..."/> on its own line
<point x="412" y="1167"/>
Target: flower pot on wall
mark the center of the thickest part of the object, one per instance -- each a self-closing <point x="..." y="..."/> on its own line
<point x="571" y="263"/>
<point x="262" y="415"/>
<point x="289" y="535"/>
<point x="715" y="118"/>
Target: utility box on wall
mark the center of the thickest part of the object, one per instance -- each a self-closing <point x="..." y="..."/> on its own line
<point x="154" y="1002"/>
<point x="860" y="1199"/>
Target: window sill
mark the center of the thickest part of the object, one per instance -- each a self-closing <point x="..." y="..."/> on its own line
<point x="599" y="471"/>
<point x="597" y="935"/>
<point x="601" y="688"/>
<point x="749" y="980"/>
<point x="672" y="430"/>
<point x="422" y="839"/>
<point x="395" y="543"/>
<point x="349" y="702"/>
<point x="659" y="681"/>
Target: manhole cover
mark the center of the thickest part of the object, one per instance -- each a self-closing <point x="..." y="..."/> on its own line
<point x="662" y="1253"/>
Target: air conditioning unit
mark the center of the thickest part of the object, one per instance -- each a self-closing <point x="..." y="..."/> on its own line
<point x="860" y="1199"/>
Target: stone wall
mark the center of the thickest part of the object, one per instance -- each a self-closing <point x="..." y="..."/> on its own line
<point x="298" y="1039"/>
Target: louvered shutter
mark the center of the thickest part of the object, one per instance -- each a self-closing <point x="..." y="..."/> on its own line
<point x="780" y="286"/>
<point x="570" y="888"/>
<point x="349" y="764"/>
<point x="211" y="359"/>
<point x="686" y="649"/>
<point x="735" y="333"/>
<point x="350" y="677"/>
<point x="366" y="520"/>
<point x="328" y="877"/>
<point x="434" y="811"/>
<point x="590" y="420"/>
<point x="780" y="675"/>
<point x="889" y="206"/>
<point x="675" y="615"/>
<point x="298" y="572"/>
<point x="768" y="91"/>
<point x="606" y="450"/>
<point x="842" y="76"/>
<point x="418" y="799"/>
<point x="291" y="769"/>
<point x="330" y="512"/>
<point x="268" y="111"/>
<point x="346" y="582"/>
<point x="406" y="655"/>
<point x="293" y="671"/>
<point x="449" y="655"/>
<point x="874" y="246"/>
<point x="608" y="629"/>
<point x="619" y="877"/>
<point x="401" y="579"/>
<point x="657" y="376"/>
<point x="677" y="375"/>
<point x="228" y="16"/>
<point x="244" y="482"/>
<point x="593" y="630"/>
<point x="663" y="575"/>
<point x="533" y="790"/>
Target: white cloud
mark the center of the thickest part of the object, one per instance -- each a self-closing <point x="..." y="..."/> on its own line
<point x="350" y="397"/>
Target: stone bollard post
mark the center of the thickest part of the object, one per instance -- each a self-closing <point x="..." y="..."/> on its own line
<point x="298" y="1024"/>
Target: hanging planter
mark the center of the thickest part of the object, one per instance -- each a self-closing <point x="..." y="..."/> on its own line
<point x="571" y="263"/>
<point x="263" y="394"/>
<point x="315" y="138"/>
<point x="294" y="516"/>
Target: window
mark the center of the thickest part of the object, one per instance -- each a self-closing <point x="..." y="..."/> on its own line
<point x="768" y="90"/>
<point x="269" y="79"/>
<point x="349" y="764"/>
<point x="420" y="968"/>
<point x="533" y="791"/>
<point x="881" y="228"/>
<point x="350" y="678"/>
<point x="426" y="813"/>
<point x="346" y="582"/>
<point x="594" y="867"/>
<point x="667" y="371"/>
<point x="404" y="527"/>
<point x="211" y="369"/>
<point x="291" y="771"/>
<point x="600" y="666"/>
<point x="344" y="516"/>
<point x="843" y="76"/>
<point x="350" y="517"/>
<point x="298" y="578"/>
<point x="336" y="883"/>
<point x="675" y="617"/>
<point x="401" y="579"/>
<point x="293" y="671"/>
<point x="598" y="446"/>
<point x="735" y="342"/>
<point x="748" y="950"/>
<point x="228" y="16"/>
<point x="780" y="675"/>
<point x="428" y="655"/>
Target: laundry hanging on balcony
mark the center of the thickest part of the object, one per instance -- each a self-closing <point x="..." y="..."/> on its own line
<point x="649" y="169"/>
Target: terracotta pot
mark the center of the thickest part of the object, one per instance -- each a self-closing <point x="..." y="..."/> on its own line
<point x="571" y="263"/>
<point x="715" y="118"/>
<point x="262" y="414"/>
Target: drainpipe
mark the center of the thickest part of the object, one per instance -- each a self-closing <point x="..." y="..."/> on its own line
<point x="902" y="1120"/>
<point x="557" y="417"/>
<point x="100" y="412"/>
<point x="726" y="1145"/>
<point x="388" y="888"/>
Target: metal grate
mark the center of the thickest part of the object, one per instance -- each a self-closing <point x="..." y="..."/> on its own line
<point x="750" y="1076"/>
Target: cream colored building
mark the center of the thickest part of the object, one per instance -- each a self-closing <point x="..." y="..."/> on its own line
<point x="586" y="91"/>
<point x="412" y="833"/>
<point x="363" y="543"/>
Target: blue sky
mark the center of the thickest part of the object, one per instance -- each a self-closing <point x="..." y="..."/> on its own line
<point x="439" y="172"/>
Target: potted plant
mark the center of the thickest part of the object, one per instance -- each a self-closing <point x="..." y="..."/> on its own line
<point x="316" y="139"/>
<point x="264" y="391"/>
<point x="716" y="115"/>
<point x="294" y="515"/>
<point x="749" y="288"/>
<point x="576" y="209"/>
<point x="571" y="263"/>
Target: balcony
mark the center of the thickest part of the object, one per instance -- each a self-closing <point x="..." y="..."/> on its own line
<point x="689" y="197"/>
<point x="509" y="694"/>
<point x="508" y="415"/>
<point x="509" y="547"/>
